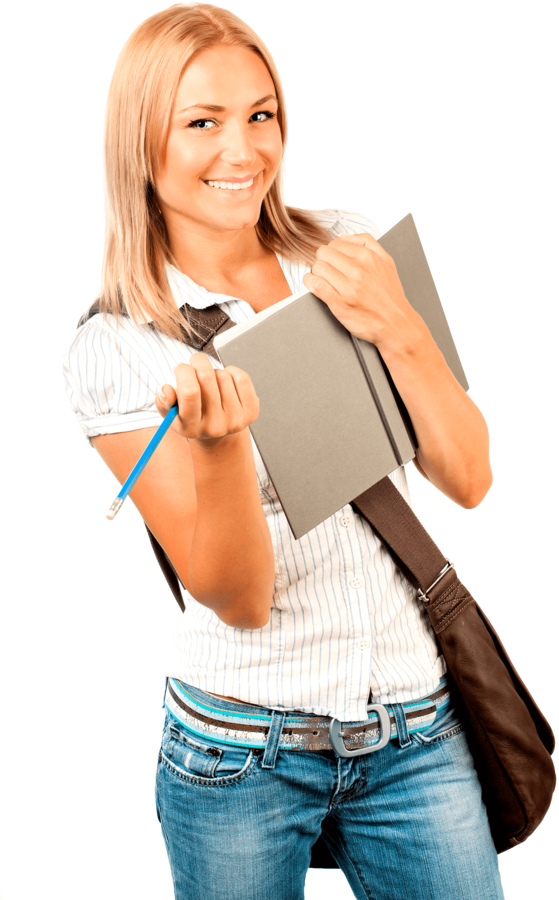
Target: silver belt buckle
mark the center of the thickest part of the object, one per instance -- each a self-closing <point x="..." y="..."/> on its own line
<point x="337" y="736"/>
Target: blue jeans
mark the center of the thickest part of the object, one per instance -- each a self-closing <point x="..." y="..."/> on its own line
<point x="406" y="821"/>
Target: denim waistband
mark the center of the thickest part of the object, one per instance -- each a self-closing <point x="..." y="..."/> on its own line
<point x="240" y="724"/>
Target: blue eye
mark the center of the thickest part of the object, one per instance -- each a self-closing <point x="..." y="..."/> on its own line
<point x="208" y="124"/>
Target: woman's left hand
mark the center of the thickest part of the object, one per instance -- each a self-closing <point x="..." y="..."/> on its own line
<point x="358" y="281"/>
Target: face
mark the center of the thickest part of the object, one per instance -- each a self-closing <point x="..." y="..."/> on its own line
<point x="224" y="146"/>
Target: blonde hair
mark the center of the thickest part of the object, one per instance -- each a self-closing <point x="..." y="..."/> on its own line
<point x="139" y="107"/>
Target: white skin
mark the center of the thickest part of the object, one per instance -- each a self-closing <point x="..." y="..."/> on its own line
<point x="213" y="237"/>
<point x="212" y="231"/>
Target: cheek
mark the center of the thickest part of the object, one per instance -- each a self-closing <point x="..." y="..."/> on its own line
<point x="278" y="143"/>
<point x="182" y="167"/>
<point x="272" y="150"/>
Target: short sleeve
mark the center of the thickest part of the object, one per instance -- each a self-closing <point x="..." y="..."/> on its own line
<point x="110" y="385"/>
<point x="342" y="221"/>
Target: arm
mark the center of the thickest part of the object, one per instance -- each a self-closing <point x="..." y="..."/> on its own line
<point x="232" y="558"/>
<point x="359" y="282"/>
<point x="194" y="503"/>
<point x="452" y="436"/>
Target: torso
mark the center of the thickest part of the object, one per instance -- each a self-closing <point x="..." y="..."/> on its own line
<point x="272" y="287"/>
<point x="233" y="699"/>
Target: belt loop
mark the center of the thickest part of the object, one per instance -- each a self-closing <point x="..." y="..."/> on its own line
<point x="164" y="691"/>
<point x="274" y="737"/>
<point x="404" y="738"/>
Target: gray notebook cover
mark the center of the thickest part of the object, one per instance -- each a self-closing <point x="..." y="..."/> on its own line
<point x="319" y="431"/>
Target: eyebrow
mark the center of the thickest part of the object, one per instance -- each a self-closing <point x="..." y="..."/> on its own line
<point x="213" y="108"/>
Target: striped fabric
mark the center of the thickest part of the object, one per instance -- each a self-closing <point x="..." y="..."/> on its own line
<point x="249" y="727"/>
<point x="345" y="627"/>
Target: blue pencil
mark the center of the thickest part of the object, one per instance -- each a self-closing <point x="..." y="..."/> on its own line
<point x="142" y="462"/>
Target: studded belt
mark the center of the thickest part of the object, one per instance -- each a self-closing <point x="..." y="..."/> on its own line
<point x="300" y="732"/>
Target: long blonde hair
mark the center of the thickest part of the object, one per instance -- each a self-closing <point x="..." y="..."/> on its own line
<point x="139" y="107"/>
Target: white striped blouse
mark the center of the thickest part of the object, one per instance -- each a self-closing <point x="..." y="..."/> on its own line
<point x="345" y="626"/>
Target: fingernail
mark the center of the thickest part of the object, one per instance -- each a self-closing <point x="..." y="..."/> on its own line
<point x="162" y="396"/>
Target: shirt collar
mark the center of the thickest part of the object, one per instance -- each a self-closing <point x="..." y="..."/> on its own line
<point x="185" y="290"/>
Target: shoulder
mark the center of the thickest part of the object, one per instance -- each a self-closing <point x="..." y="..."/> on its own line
<point x="344" y="221"/>
<point x="112" y="371"/>
<point x="93" y="359"/>
<point x="97" y="336"/>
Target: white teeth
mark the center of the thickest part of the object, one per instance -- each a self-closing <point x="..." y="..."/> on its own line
<point x="230" y="186"/>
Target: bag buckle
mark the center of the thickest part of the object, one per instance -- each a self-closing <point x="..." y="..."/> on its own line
<point x="443" y="571"/>
<point x="337" y="736"/>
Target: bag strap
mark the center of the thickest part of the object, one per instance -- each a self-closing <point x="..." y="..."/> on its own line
<point x="393" y="521"/>
<point x="382" y="505"/>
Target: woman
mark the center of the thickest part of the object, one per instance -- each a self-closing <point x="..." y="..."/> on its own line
<point x="278" y="636"/>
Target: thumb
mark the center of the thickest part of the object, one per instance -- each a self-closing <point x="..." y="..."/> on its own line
<point x="165" y="399"/>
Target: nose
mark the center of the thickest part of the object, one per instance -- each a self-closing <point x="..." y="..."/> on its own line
<point x="238" y="147"/>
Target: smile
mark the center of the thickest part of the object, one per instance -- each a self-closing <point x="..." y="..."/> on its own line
<point x="230" y="186"/>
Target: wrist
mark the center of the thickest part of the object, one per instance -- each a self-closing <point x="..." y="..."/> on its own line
<point x="407" y="342"/>
<point x="224" y="441"/>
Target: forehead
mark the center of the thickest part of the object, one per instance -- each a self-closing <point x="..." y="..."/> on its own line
<point x="224" y="76"/>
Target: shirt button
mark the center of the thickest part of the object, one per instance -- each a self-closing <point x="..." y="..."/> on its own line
<point x="345" y="521"/>
<point x="364" y="644"/>
<point x="356" y="582"/>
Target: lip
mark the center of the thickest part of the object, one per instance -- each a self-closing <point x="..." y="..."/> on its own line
<point x="236" y="196"/>
<point x="230" y="180"/>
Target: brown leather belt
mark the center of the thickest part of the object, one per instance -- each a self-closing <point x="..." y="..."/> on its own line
<point x="299" y="732"/>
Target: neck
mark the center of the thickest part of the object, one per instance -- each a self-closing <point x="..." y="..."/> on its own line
<point x="215" y="256"/>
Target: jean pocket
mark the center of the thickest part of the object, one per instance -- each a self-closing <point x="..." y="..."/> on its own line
<point x="193" y="758"/>
<point x="446" y="724"/>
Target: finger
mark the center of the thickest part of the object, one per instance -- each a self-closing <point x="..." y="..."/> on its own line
<point x="195" y="374"/>
<point x="233" y="410"/>
<point x="189" y="393"/>
<point x="165" y="399"/>
<point x="361" y="240"/>
<point x="200" y="410"/>
<point x="205" y="373"/>
<point x="313" y="283"/>
<point x="343" y="257"/>
<point x="327" y="283"/>
<point x="246" y="397"/>
<point x="241" y="382"/>
<point x="202" y="364"/>
<point x="336" y="272"/>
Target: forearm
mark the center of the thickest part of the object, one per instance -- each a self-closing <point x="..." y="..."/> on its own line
<point x="452" y="436"/>
<point x="231" y="567"/>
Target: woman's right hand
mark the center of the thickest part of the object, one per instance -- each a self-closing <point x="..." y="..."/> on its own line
<point x="213" y="403"/>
